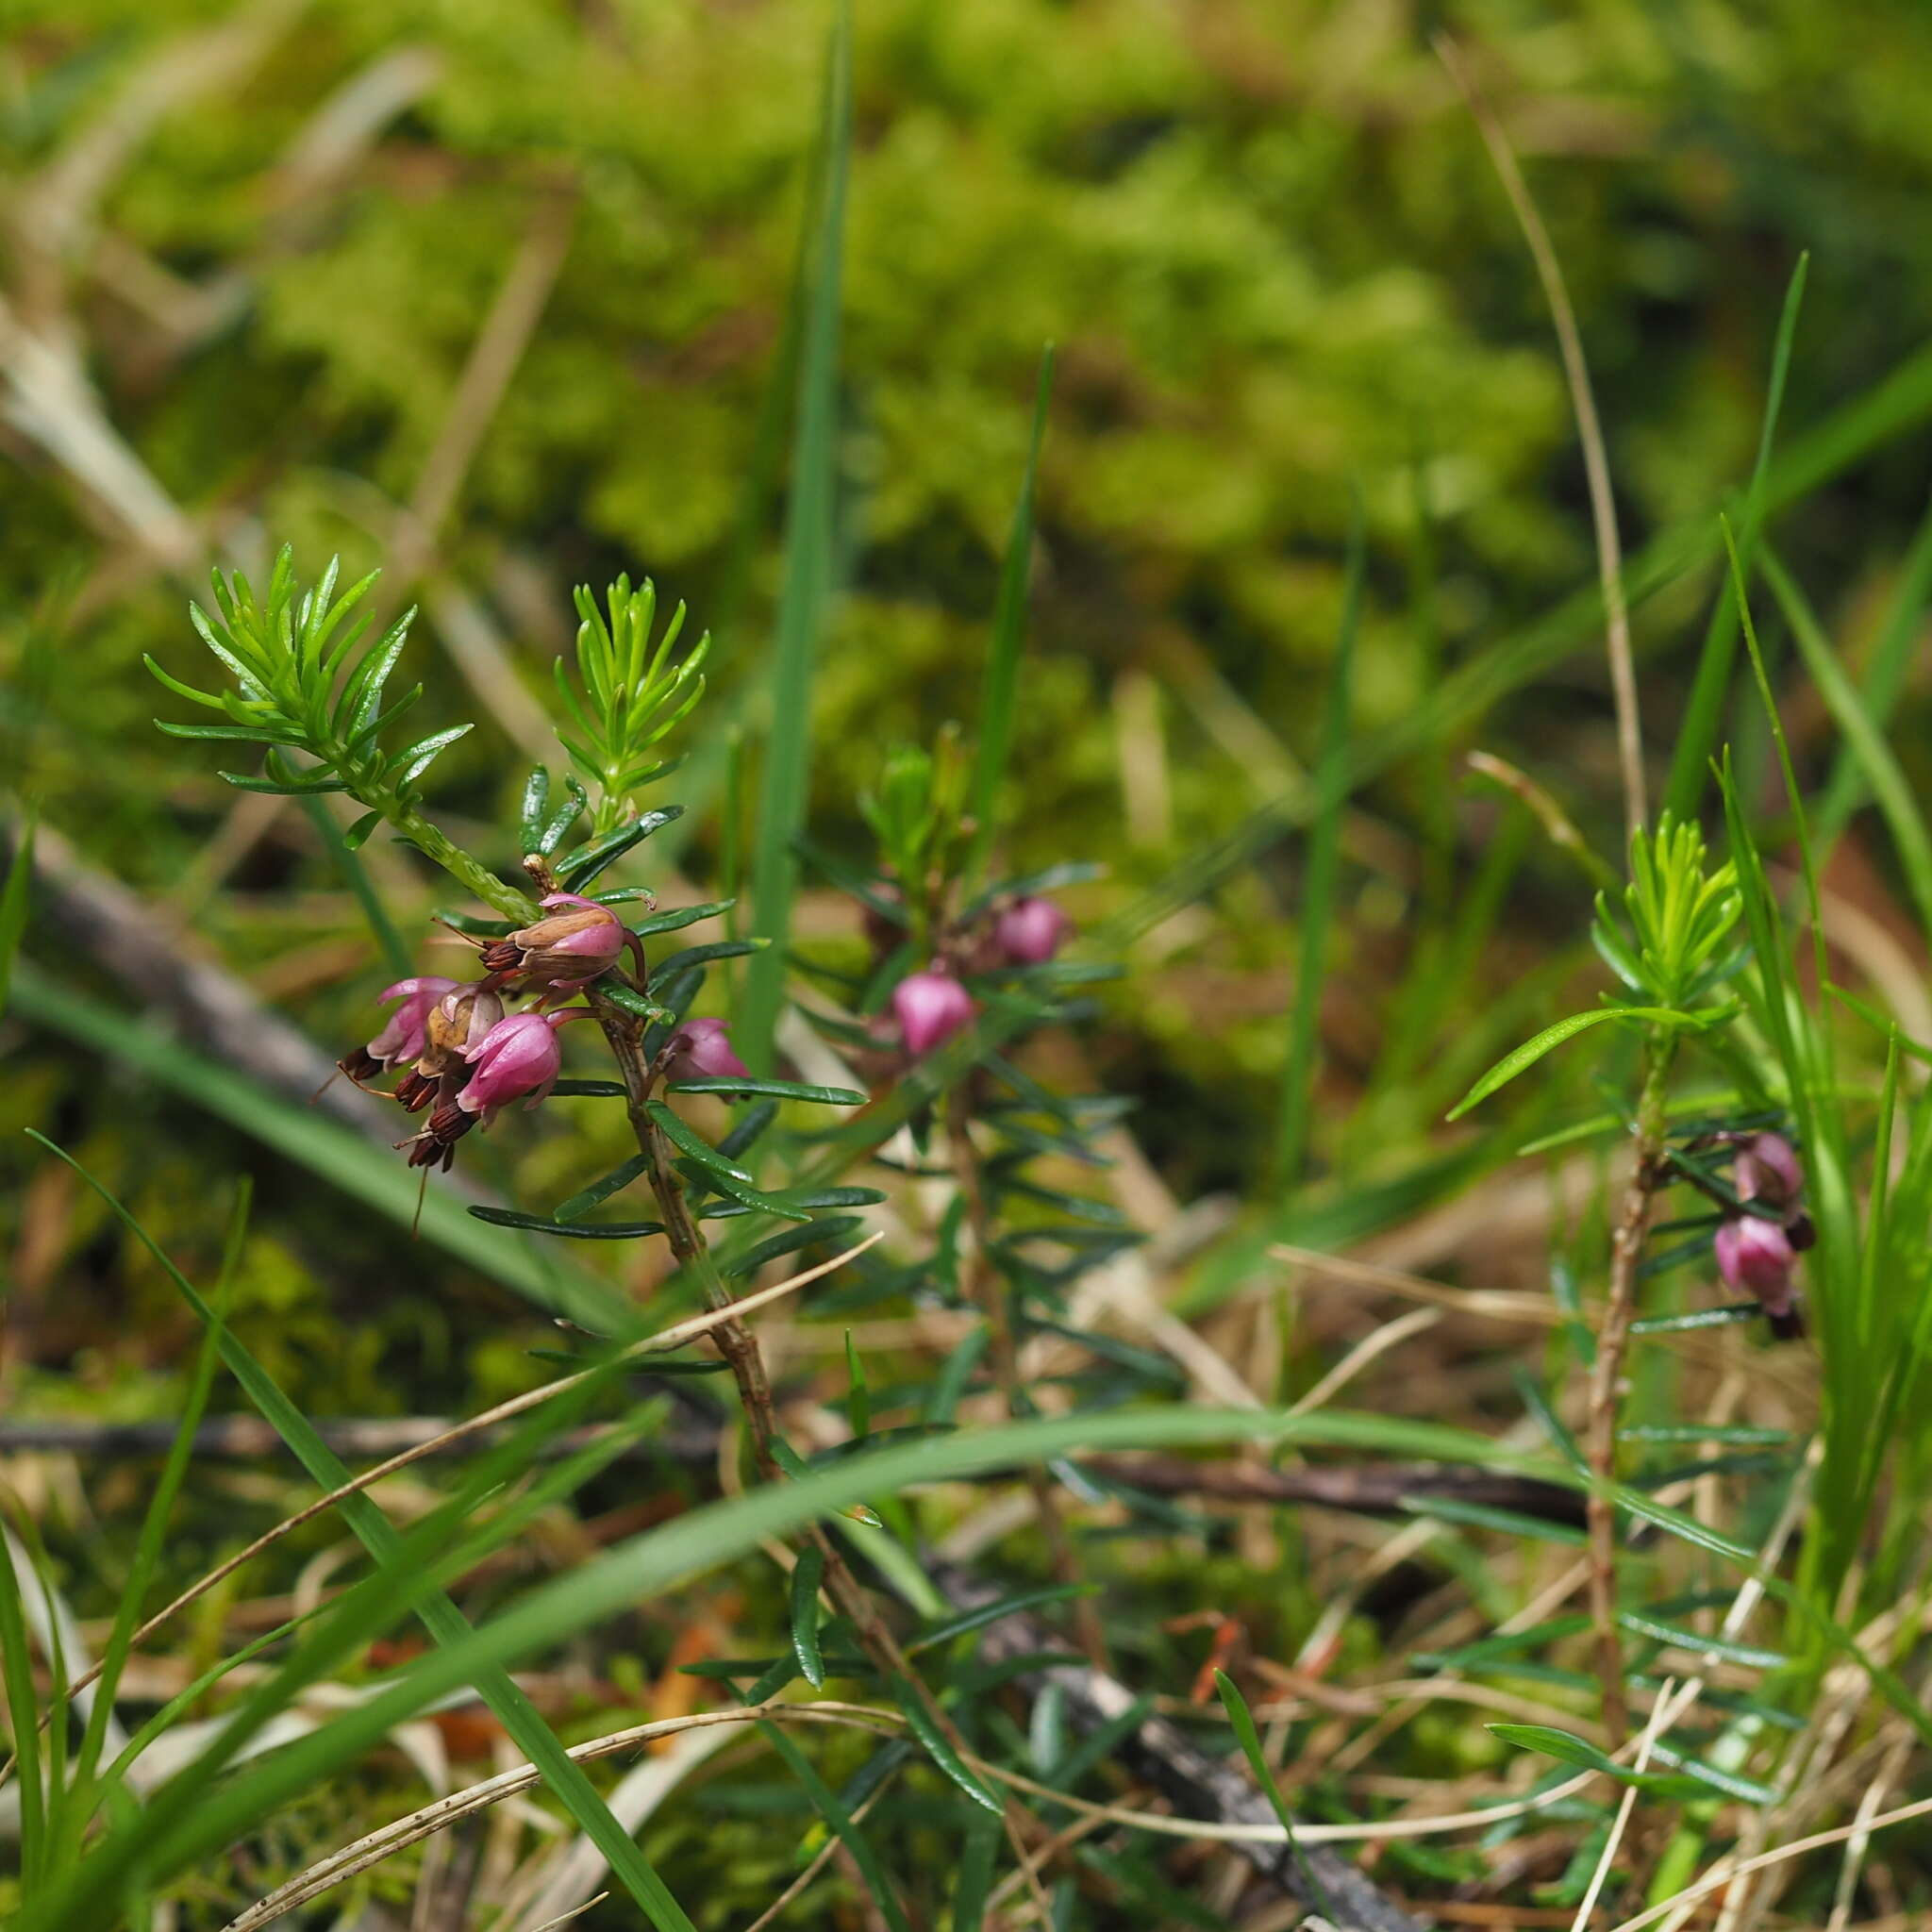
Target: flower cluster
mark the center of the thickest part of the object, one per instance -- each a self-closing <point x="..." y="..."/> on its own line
<point x="466" y="1058"/>
<point x="933" y="1004"/>
<point x="1758" y="1242"/>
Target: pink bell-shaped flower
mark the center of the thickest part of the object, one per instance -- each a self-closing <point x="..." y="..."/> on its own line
<point x="1030" y="931"/>
<point x="465" y="1013"/>
<point x="701" y="1049"/>
<point x="931" y="1007"/>
<point x="1768" y="1169"/>
<point x="517" y="1059"/>
<point x="1757" y="1256"/>
<point x="401" y="1038"/>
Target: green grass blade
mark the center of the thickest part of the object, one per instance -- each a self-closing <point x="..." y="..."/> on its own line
<point x="15" y="898"/>
<point x="439" y="1613"/>
<point x="1784" y="752"/>
<point x="24" y="1717"/>
<point x="1885" y="678"/>
<point x="1551" y="1037"/>
<point x="1567" y="1748"/>
<point x="184" y="1701"/>
<point x="980" y="1848"/>
<point x="660" y="1560"/>
<point x="153" y="1526"/>
<point x="806" y="587"/>
<point x="1000" y="692"/>
<point x="841" y="1822"/>
<point x="1697" y="735"/>
<point x="1879" y="768"/>
<point x="1318" y="892"/>
<point x="433" y="1550"/>
<point x="1242" y="1720"/>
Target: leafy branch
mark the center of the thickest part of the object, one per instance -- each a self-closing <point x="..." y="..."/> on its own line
<point x="309" y="679"/>
<point x="633" y="696"/>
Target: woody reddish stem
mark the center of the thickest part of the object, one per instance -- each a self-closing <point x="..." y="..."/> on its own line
<point x="983" y="1284"/>
<point x="1626" y="1253"/>
<point x="625" y="1033"/>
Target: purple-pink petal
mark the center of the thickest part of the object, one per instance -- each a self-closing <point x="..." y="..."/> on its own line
<point x="517" y="1056"/>
<point x="1757" y="1255"/>
<point x="704" y="1047"/>
<point x="1030" y="931"/>
<point x="401" y="1038"/>
<point x="1768" y="1168"/>
<point x="930" y="1007"/>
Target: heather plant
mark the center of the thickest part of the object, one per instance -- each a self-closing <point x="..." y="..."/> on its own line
<point x="849" y="1444"/>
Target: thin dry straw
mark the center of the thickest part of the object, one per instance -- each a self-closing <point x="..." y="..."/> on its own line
<point x="1603" y="508"/>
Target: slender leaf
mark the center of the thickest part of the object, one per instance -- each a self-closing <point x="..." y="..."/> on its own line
<point x="1568" y="1748"/>
<point x="1299" y="1068"/>
<point x="440" y="1615"/>
<point x="840" y="1819"/>
<point x="939" y="1749"/>
<point x="806" y="1575"/>
<point x="1698" y="732"/>
<point x="680" y="917"/>
<point x="979" y="1618"/>
<point x="1880" y="767"/>
<point x="1551" y="1037"/>
<point x="616" y="994"/>
<point x="999" y="694"/>
<point x="599" y="1192"/>
<point x="153" y="1528"/>
<point x="1242" y="1720"/>
<point x="15" y="900"/>
<point x="23" y="1717"/>
<point x="577" y="1230"/>
<point x="1885" y="676"/>
<point x="806" y="589"/>
<point x="979" y="1846"/>
<point x="688" y="1140"/>
<point x="583" y="865"/>
<point x="1753" y="1655"/>
<point x="776" y="1089"/>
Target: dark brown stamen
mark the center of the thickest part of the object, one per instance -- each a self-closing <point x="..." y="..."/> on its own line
<point x="361" y="1065"/>
<point x="415" y="1091"/>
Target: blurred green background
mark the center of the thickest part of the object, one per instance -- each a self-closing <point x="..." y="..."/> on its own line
<point x="497" y="293"/>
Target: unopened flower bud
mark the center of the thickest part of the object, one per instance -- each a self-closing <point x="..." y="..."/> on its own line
<point x="1768" y="1170"/>
<point x="1757" y="1256"/>
<point x="702" y="1048"/>
<point x="519" y="1057"/>
<point x="579" y="940"/>
<point x="931" y="1008"/>
<point x="402" y="1036"/>
<point x="1030" y="931"/>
